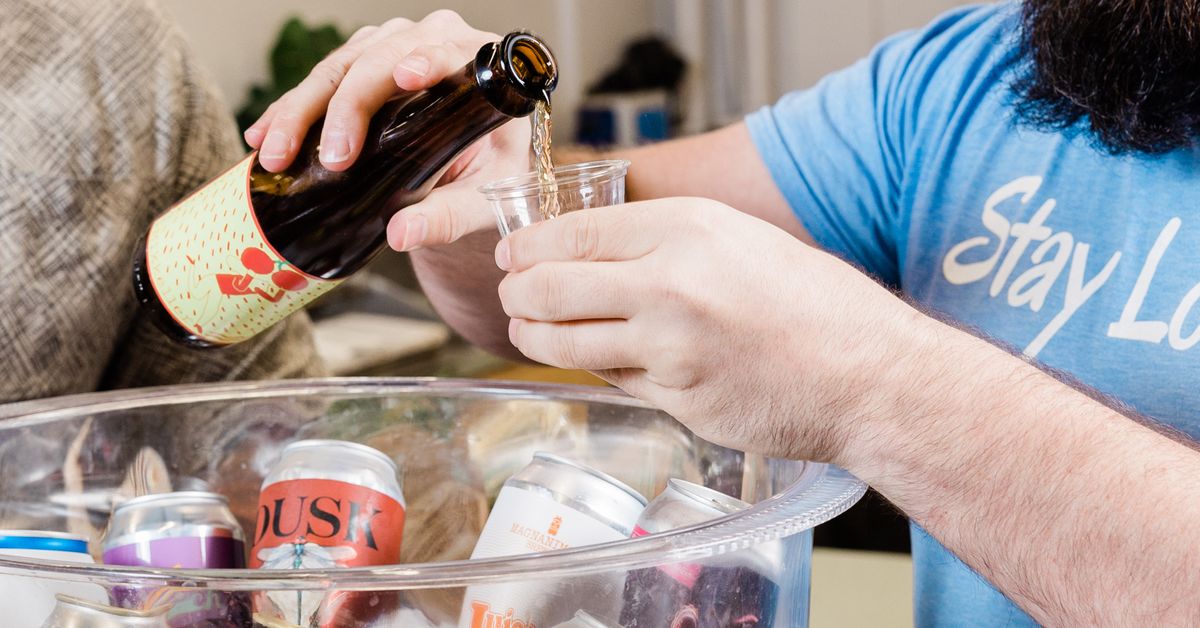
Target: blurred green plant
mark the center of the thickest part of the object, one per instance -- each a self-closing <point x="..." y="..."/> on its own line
<point x="297" y="49"/>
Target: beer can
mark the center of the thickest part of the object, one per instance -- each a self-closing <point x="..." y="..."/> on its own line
<point x="72" y="612"/>
<point x="326" y="503"/>
<point x="553" y="503"/>
<point x="742" y="593"/>
<point x="26" y="601"/>
<point x="666" y="595"/>
<point x="184" y="529"/>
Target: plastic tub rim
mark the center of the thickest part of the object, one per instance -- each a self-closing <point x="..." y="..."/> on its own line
<point x="780" y="516"/>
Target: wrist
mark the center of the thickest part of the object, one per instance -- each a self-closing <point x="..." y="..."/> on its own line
<point x="917" y="380"/>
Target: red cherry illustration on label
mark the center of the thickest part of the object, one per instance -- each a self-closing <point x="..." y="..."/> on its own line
<point x="257" y="260"/>
<point x="289" y="280"/>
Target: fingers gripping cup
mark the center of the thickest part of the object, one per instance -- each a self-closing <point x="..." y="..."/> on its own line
<point x="519" y="201"/>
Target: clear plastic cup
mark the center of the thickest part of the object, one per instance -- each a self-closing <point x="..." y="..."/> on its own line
<point x="517" y="200"/>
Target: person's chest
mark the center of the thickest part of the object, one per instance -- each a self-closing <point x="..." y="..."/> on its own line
<point x="1087" y="262"/>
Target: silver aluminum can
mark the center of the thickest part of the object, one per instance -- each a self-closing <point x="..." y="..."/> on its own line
<point x="327" y="504"/>
<point x="25" y="600"/>
<point x="72" y="612"/>
<point x="179" y="530"/>
<point x="553" y="503"/>
<point x="185" y="529"/>
<point x="666" y="595"/>
<point x="683" y="504"/>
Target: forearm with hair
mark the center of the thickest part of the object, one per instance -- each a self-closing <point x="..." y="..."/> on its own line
<point x="1079" y="514"/>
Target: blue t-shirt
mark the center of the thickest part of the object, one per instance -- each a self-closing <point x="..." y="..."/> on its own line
<point x="913" y="164"/>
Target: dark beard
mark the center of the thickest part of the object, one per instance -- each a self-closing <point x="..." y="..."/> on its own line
<point x="1130" y="68"/>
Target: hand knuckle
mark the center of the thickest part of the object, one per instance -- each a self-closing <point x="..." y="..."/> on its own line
<point x="585" y="243"/>
<point x="672" y="293"/>
<point x="383" y="54"/>
<point x="397" y="24"/>
<point x="508" y="292"/>
<point x="565" y="350"/>
<point x="677" y="361"/>
<point x="432" y="52"/>
<point x="548" y="293"/>
<point x="364" y="32"/>
<point x="444" y="17"/>
<point x="455" y="226"/>
<point x="288" y="115"/>
<point x="341" y="112"/>
<point x="331" y="69"/>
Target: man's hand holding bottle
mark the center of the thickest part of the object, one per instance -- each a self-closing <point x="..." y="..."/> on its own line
<point x="354" y="81"/>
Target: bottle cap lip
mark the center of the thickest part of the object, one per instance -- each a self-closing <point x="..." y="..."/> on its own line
<point x="530" y="64"/>
<point x="568" y="177"/>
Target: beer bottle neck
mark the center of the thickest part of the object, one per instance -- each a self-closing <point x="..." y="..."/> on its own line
<point x="515" y="73"/>
<point x="505" y="80"/>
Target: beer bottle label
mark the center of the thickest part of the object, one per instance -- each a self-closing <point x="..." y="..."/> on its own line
<point x="215" y="272"/>
<point x="317" y="524"/>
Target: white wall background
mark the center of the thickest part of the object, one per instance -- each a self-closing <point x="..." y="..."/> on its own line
<point x="804" y="39"/>
<point x="234" y="37"/>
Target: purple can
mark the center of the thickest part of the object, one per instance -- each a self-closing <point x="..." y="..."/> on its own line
<point x="181" y="530"/>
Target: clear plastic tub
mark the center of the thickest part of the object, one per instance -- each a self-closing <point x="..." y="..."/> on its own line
<point x="64" y="462"/>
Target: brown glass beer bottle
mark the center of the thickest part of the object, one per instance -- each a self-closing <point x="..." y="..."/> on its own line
<point x="250" y="247"/>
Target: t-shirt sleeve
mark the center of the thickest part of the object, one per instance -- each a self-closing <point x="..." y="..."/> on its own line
<point x="839" y="151"/>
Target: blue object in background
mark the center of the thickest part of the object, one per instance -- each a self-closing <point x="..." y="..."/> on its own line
<point x="652" y="125"/>
<point x="627" y="119"/>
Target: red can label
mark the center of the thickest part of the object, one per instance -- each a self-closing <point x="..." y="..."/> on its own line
<point x="315" y="524"/>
